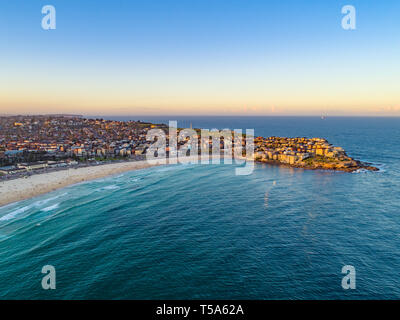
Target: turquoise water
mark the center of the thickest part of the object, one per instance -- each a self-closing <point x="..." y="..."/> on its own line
<point x="200" y="231"/>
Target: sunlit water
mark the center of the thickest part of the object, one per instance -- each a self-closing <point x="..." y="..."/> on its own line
<point x="200" y="231"/>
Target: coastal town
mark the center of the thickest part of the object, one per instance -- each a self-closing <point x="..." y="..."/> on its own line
<point x="30" y="144"/>
<point x="35" y="144"/>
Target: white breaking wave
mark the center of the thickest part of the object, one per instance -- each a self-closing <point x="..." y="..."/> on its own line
<point x="54" y="206"/>
<point x="110" y="187"/>
<point x="14" y="213"/>
<point x="42" y="202"/>
<point x="36" y="204"/>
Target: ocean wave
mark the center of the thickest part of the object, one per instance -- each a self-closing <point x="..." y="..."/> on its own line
<point x="381" y="167"/>
<point x="36" y="205"/>
<point x="361" y="171"/>
<point x="164" y="168"/>
<point x="11" y="215"/>
<point x="45" y="201"/>
<point x="54" y="206"/>
<point x="110" y="187"/>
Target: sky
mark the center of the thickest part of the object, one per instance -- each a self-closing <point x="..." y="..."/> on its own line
<point x="200" y="57"/>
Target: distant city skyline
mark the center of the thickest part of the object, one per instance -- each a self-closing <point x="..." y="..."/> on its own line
<point x="174" y="57"/>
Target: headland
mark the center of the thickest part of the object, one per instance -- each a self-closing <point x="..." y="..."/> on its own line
<point x="306" y="153"/>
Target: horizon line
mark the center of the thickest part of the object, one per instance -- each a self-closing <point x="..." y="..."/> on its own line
<point x="197" y="115"/>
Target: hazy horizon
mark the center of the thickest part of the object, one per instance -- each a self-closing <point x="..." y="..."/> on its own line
<point x="194" y="115"/>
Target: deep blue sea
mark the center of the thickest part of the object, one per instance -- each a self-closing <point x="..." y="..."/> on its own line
<point x="201" y="232"/>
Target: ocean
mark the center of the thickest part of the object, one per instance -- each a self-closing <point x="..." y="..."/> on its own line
<point x="201" y="232"/>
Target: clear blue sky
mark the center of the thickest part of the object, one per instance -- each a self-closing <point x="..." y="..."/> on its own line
<point x="200" y="57"/>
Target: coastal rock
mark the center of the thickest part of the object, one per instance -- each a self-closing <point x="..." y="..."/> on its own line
<point x="314" y="153"/>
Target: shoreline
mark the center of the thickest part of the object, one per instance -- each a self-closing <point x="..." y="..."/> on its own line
<point x="23" y="188"/>
<point x="19" y="189"/>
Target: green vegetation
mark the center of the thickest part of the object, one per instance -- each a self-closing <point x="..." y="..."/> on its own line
<point x="309" y="161"/>
<point x="320" y="159"/>
<point x="116" y="158"/>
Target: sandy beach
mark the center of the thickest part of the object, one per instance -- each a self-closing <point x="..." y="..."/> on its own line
<point x="37" y="184"/>
<point x="24" y="188"/>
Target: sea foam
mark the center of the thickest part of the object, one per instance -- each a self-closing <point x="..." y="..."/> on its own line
<point x="55" y="206"/>
<point x="14" y="213"/>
